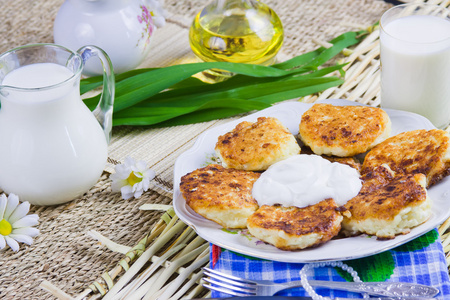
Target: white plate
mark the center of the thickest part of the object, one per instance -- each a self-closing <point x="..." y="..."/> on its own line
<point x="289" y="113"/>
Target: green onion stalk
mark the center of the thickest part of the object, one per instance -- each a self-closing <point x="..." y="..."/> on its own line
<point x="169" y="96"/>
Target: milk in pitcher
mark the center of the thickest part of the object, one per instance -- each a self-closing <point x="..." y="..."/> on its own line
<point x="53" y="136"/>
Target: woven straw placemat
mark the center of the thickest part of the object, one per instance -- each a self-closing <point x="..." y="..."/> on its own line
<point x="63" y="253"/>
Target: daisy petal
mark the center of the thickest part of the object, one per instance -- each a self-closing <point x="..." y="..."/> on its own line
<point x="126" y="196"/>
<point x="137" y="187"/>
<point x="114" y="177"/>
<point x="145" y="184"/>
<point x="138" y="174"/>
<point x="150" y="174"/>
<point x="34" y="216"/>
<point x="2" y="242"/>
<point x="117" y="185"/>
<point x="20" y="212"/>
<point x="140" y="166"/>
<point x="3" y="202"/>
<point x="127" y="192"/>
<point x="138" y="193"/>
<point x="30" y="231"/>
<point x="12" y="243"/>
<point x="122" y="172"/>
<point x="13" y="201"/>
<point x="22" y="238"/>
<point x="26" y="221"/>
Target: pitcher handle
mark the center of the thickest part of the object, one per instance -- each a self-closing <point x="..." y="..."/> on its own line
<point x="104" y="110"/>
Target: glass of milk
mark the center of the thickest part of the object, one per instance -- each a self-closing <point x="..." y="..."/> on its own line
<point x="415" y="61"/>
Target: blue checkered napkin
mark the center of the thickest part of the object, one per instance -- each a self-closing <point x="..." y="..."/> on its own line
<point x="425" y="266"/>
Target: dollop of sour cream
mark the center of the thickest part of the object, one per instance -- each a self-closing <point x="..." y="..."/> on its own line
<point x="303" y="180"/>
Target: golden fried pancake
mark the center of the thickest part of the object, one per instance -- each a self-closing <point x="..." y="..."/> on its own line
<point x="389" y="210"/>
<point x="293" y="228"/>
<point x="349" y="161"/>
<point x="376" y="178"/>
<point x="343" y="130"/>
<point x="412" y="152"/>
<point x="256" y="146"/>
<point x="221" y="195"/>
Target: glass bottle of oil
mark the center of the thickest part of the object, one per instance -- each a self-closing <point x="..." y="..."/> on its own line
<point x="240" y="31"/>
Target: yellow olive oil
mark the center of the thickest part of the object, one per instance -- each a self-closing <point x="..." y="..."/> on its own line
<point x="237" y="31"/>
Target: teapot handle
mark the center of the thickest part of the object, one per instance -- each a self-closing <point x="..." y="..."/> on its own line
<point x="104" y="110"/>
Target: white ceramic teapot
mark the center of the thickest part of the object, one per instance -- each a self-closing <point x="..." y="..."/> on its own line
<point x="53" y="149"/>
<point x="123" y="28"/>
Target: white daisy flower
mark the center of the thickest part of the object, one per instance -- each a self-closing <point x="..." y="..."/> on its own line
<point x="15" y="224"/>
<point x="131" y="178"/>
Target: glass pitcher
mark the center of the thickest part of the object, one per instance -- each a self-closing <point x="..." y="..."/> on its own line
<point x="53" y="147"/>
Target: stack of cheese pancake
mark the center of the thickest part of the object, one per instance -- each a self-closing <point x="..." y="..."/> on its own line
<point x="394" y="176"/>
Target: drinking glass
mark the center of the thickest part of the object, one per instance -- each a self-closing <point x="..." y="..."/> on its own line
<point x="415" y="61"/>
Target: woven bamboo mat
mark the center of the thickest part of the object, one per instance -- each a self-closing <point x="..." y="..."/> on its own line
<point x="64" y="254"/>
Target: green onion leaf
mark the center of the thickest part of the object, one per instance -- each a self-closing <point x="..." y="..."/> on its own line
<point x="171" y="96"/>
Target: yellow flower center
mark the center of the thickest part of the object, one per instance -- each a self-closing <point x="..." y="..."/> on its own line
<point x="133" y="179"/>
<point x="5" y="227"/>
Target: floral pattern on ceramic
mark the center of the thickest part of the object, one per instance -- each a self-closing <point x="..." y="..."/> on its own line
<point x="146" y="19"/>
<point x="123" y="28"/>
